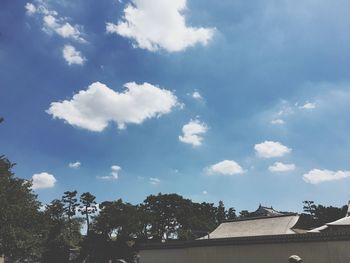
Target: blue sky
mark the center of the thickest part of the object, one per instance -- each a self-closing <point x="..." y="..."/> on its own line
<point x="241" y="101"/>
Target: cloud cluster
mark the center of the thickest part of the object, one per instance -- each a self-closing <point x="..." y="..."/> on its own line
<point x="192" y="132"/>
<point x="281" y="167"/>
<point x="317" y="176"/>
<point x="54" y="24"/>
<point x="43" y="180"/>
<point x="270" y="149"/>
<point x="226" y="167"/>
<point x="72" y="56"/>
<point x="64" y="29"/>
<point x="94" y="108"/>
<point x="159" y="24"/>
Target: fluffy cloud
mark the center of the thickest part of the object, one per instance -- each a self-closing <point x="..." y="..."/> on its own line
<point x="75" y="165"/>
<point x="43" y="180"/>
<point x="269" y="149"/>
<point x="317" y="176"/>
<point x="62" y="28"/>
<point x="154" y="181"/>
<point x="94" y="108"/>
<point x="159" y="24"/>
<point x="308" y="106"/>
<point x="192" y="132"/>
<point x="53" y="23"/>
<point x="281" y="167"/>
<point x="72" y="56"/>
<point x="226" y="167"/>
<point x="114" y="175"/>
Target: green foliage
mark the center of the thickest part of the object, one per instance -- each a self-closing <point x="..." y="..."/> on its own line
<point x="309" y="208"/>
<point x="118" y="220"/>
<point x="70" y="203"/>
<point x="55" y="210"/>
<point x="231" y="214"/>
<point x="221" y="213"/>
<point x="20" y="219"/>
<point x="62" y="234"/>
<point x="318" y="215"/>
<point x="87" y="207"/>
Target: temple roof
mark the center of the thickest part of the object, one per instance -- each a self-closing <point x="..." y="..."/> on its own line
<point x="271" y="225"/>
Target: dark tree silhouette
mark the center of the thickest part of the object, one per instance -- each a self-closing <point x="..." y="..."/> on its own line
<point x="221" y="213"/>
<point x="87" y="207"/>
<point x="231" y="214"/>
<point x="55" y="210"/>
<point x="70" y="207"/>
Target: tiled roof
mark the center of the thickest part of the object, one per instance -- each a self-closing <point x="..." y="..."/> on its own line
<point x="274" y="225"/>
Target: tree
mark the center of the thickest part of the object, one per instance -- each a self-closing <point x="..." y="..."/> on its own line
<point x="113" y="232"/>
<point x="231" y="214"/>
<point x="310" y="208"/>
<point x="55" y="210"/>
<point x="318" y="215"/>
<point x="221" y="213"/>
<point x="118" y="220"/>
<point x="166" y="215"/>
<point x="70" y="206"/>
<point x="20" y="220"/>
<point x="62" y="235"/>
<point x="87" y="207"/>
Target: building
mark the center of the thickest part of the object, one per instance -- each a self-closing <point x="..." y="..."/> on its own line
<point x="256" y="226"/>
<point x="270" y="236"/>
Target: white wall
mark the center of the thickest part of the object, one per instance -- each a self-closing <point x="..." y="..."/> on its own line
<point x="310" y="252"/>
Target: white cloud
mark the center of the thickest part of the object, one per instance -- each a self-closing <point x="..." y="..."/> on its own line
<point x="196" y="95"/>
<point x="62" y="28"/>
<point x="308" y="106"/>
<point x="114" y="175"/>
<point x="317" y="176"/>
<point x="72" y="56"/>
<point x="270" y="149"/>
<point x="277" y="122"/>
<point x="281" y="167"/>
<point x="31" y="9"/>
<point x="94" y="108"/>
<point x="192" y="132"/>
<point x="54" y="23"/>
<point x="154" y="181"/>
<point x="205" y="192"/>
<point x="115" y="170"/>
<point x="159" y="24"/>
<point x="43" y="180"/>
<point x="226" y="167"/>
<point x="75" y="165"/>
